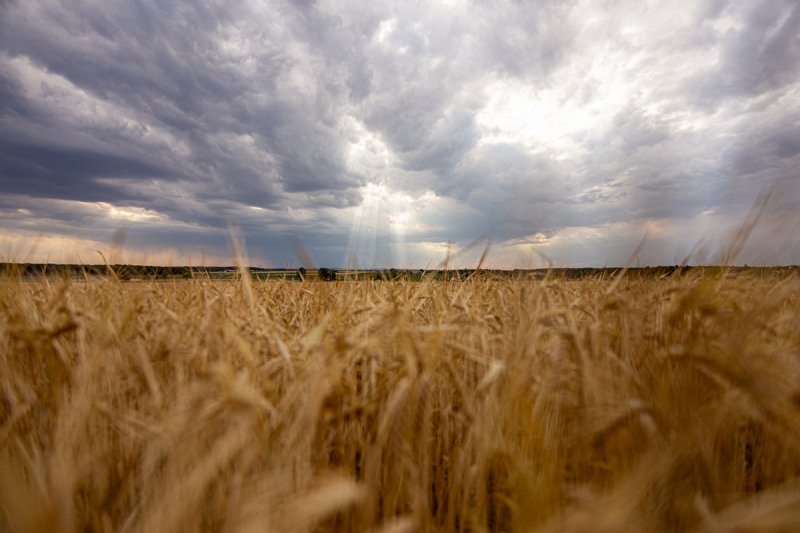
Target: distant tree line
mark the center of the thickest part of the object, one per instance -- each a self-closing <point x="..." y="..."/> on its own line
<point x="122" y="272"/>
<point x="150" y="272"/>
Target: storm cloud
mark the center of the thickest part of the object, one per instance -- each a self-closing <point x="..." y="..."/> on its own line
<point x="387" y="132"/>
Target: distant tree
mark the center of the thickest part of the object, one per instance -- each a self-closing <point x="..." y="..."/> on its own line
<point x="122" y="272"/>
<point x="327" y="274"/>
<point x="301" y="272"/>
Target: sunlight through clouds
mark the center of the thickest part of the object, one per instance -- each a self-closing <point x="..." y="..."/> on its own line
<point x="380" y="227"/>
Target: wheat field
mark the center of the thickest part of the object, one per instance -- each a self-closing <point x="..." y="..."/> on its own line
<point x="625" y="404"/>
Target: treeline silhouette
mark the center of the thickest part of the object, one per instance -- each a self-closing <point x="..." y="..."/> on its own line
<point x="155" y="272"/>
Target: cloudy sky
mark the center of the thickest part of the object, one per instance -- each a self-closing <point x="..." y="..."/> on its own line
<point x="384" y="133"/>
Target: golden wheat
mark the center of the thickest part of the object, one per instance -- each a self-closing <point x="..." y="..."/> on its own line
<point x="484" y="405"/>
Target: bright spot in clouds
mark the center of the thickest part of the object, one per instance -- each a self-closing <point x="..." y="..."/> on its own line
<point x="380" y="226"/>
<point x="130" y="214"/>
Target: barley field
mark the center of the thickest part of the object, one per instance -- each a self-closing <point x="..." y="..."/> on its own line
<point x="622" y="404"/>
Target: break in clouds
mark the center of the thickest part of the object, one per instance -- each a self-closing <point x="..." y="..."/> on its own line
<point x="381" y="133"/>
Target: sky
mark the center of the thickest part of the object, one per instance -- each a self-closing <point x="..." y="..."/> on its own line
<point x="377" y="134"/>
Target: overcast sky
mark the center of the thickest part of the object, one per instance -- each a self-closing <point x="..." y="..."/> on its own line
<point x="382" y="133"/>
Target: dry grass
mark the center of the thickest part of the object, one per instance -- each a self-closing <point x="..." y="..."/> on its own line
<point x="661" y="405"/>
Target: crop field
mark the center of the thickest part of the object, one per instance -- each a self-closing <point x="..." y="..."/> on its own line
<point x="600" y="404"/>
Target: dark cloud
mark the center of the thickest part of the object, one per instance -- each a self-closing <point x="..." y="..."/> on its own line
<point x="765" y="53"/>
<point x="171" y="63"/>
<point x="758" y="55"/>
<point x="12" y="103"/>
<point x="68" y="173"/>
